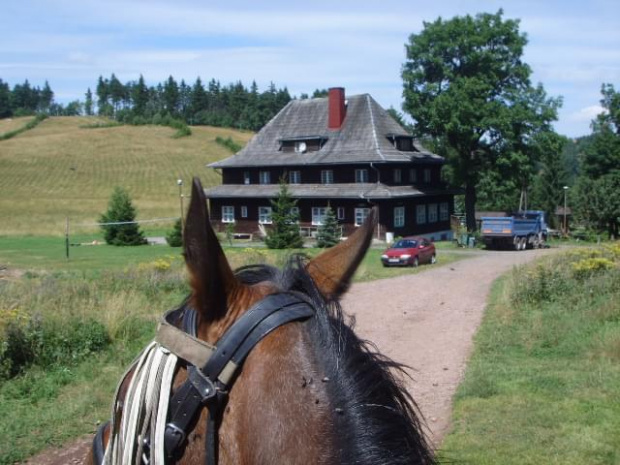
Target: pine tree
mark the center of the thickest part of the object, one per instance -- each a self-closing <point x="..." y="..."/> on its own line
<point x="328" y="234"/>
<point x="175" y="237"/>
<point x="88" y="103"/>
<point x="120" y="209"/>
<point x="285" y="230"/>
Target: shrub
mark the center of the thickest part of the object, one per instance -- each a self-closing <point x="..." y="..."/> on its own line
<point x="121" y="210"/>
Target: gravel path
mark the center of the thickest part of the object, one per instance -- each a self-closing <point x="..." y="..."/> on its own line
<point x="426" y="321"/>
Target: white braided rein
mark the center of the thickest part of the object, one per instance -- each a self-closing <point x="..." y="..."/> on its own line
<point x="144" y="410"/>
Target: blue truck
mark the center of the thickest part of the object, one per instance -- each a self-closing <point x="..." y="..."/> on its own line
<point x="524" y="230"/>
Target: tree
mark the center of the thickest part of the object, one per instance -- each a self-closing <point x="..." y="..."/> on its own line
<point x="552" y="175"/>
<point x="597" y="196"/>
<point x="46" y="98"/>
<point x="5" y="100"/>
<point x="466" y="84"/>
<point x="171" y="96"/>
<point x="284" y="233"/>
<point x="328" y="234"/>
<point x="175" y="237"/>
<point x="88" y="103"/>
<point x="140" y="97"/>
<point x="121" y="210"/>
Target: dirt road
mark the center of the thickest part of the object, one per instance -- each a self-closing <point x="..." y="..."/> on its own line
<point x="426" y="321"/>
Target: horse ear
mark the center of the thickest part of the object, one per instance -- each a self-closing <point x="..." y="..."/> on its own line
<point x="211" y="277"/>
<point x="333" y="269"/>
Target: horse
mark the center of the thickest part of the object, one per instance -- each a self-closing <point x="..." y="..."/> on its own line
<point x="261" y="366"/>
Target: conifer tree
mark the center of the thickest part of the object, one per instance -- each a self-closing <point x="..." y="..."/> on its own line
<point x="175" y="237"/>
<point x="121" y="210"/>
<point x="328" y="234"/>
<point x="285" y="230"/>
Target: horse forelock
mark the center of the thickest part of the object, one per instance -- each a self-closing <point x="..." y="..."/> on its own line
<point x="375" y="420"/>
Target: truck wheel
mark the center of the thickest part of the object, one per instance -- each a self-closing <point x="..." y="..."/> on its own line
<point x="416" y="262"/>
<point x="433" y="259"/>
<point x="523" y="243"/>
<point x="516" y="243"/>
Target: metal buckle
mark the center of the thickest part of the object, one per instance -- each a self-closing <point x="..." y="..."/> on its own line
<point x="173" y="438"/>
<point x="202" y="384"/>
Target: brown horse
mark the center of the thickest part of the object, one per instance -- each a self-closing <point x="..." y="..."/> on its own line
<point x="308" y="392"/>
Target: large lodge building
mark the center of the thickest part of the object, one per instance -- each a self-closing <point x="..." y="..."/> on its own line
<point x="350" y="155"/>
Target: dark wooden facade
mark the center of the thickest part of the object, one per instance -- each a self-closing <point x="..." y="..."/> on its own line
<point x="358" y="159"/>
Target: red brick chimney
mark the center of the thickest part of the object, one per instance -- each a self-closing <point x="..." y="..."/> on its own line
<point x="337" y="108"/>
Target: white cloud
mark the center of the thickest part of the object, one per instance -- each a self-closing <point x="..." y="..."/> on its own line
<point x="586" y="114"/>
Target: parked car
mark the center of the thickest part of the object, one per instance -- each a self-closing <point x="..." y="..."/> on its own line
<point x="410" y="251"/>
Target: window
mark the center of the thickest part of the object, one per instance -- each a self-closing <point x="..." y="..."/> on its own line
<point x="432" y="213"/>
<point x="360" y="215"/>
<point x="228" y="214"/>
<point x="444" y="211"/>
<point x="361" y="175"/>
<point x="421" y="214"/>
<point x="295" y="213"/>
<point x="413" y="175"/>
<point x="318" y="215"/>
<point x="341" y="213"/>
<point x="244" y="212"/>
<point x="398" y="176"/>
<point x="399" y="217"/>
<point x="327" y="177"/>
<point x="427" y="175"/>
<point x="264" y="177"/>
<point x="264" y="215"/>
<point x="294" y="177"/>
<point x="246" y="177"/>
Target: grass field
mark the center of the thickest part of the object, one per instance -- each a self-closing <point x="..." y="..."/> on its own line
<point x="543" y="383"/>
<point x="12" y="124"/>
<point x="60" y="169"/>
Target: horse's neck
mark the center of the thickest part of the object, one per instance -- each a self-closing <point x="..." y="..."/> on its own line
<point x="278" y="410"/>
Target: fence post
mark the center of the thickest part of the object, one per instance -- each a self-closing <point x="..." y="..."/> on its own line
<point x="67" y="238"/>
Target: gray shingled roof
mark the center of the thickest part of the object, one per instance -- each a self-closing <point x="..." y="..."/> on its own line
<point x="310" y="191"/>
<point x="362" y="138"/>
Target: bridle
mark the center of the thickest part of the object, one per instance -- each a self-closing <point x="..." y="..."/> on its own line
<point x="212" y="369"/>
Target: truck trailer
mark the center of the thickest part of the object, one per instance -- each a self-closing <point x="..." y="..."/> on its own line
<point x="524" y="230"/>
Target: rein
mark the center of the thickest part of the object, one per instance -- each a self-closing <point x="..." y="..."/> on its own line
<point x="211" y="373"/>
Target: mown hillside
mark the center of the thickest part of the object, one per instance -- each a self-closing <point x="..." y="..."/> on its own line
<point x="63" y="169"/>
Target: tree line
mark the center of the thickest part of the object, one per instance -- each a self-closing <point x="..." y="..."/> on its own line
<point x="213" y="104"/>
<point x="26" y="99"/>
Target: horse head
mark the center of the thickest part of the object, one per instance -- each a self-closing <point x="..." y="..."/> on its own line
<point x="294" y="385"/>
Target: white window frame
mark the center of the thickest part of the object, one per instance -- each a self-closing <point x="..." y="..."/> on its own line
<point x="244" y="211"/>
<point x="341" y="213"/>
<point x="432" y="213"/>
<point x="264" y="215"/>
<point x="318" y="215"/>
<point x="444" y="211"/>
<point x="413" y="175"/>
<point x="294" y="177"/>
<point x="264" y="177"/>
<point x="360" y="215"/>
<point x="420" y="214"/>
<point x="399" y="217"/>
<point x="361" y="176"/>
<point x="246" y="177"/>
<point x="398" y="176"/>
<point x="228" y="214"/>
<point x="327" y="176"/>
<point x="427" y="175"/>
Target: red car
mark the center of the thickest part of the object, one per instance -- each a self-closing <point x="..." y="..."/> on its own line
<point x="409" y="251"/>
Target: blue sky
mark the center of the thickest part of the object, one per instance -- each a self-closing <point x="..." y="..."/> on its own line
<point x="574" y="46"/>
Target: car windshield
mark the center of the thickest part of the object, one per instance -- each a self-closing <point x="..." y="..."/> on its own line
<point x="405" y="244"/>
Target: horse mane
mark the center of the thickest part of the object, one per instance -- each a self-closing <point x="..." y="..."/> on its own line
<point x="376" y="417"/>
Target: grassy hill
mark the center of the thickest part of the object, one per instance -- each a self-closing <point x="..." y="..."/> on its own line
<point x="62" y="169"/>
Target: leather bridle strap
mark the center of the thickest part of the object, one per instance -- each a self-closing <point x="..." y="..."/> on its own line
<point x="208" y="386"/>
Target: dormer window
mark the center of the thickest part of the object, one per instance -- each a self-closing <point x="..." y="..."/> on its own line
<point x="302" y="144"/>
<point x="401" y="142"/>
